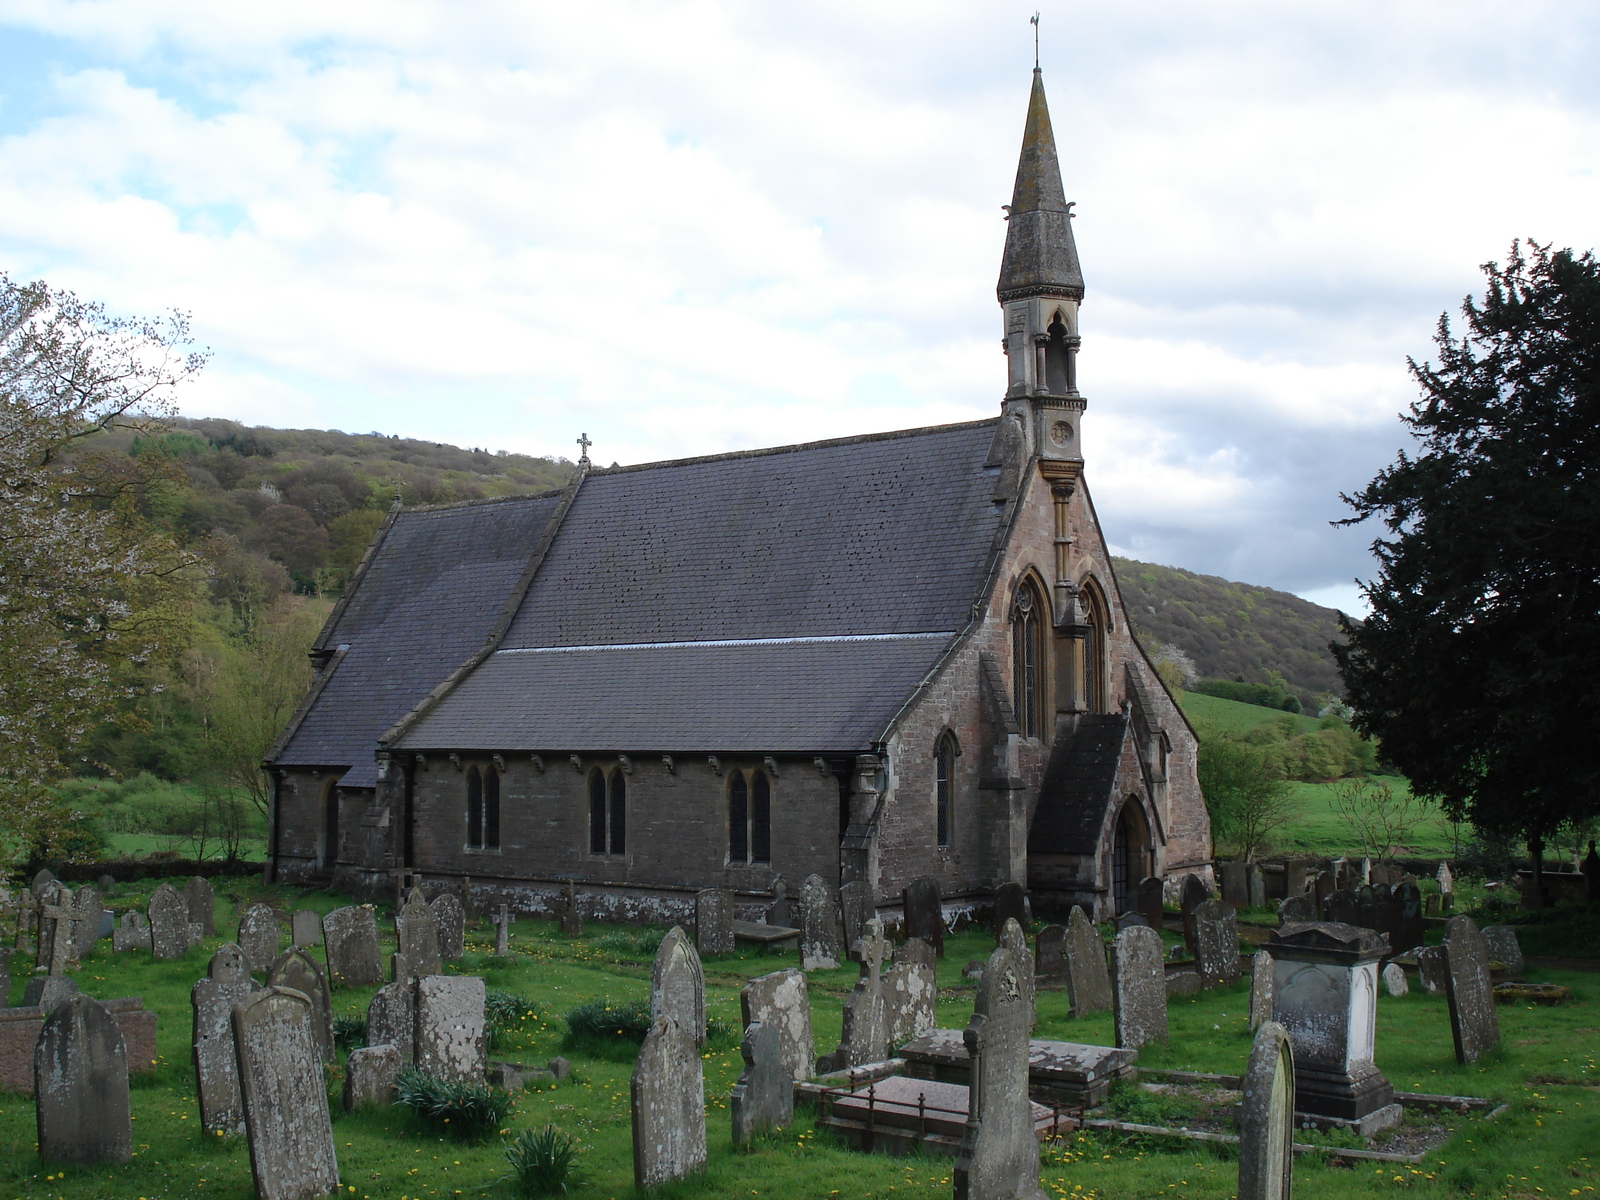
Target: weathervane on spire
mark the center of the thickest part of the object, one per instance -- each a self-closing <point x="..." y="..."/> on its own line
<point x="1034" y="21"/>
<point x="583" y="440"/>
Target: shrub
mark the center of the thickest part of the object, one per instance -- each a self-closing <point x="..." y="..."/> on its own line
<point x="544" y="1163"/>
<point x="602" y="1021"/>
<point x="505" y="1013"/>
<point x="642" y="942"/>
<point x="349" y="1033"/>
<point x="468" y="1112"/>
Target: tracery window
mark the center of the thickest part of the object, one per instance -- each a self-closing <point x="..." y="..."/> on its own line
<point x="1095" y="624"/>
<point x="474" y="809"/>
<point x="749" y="818"/>
<point x="608" y="812"/>
<point x="1028" y="660"/>
<point x="944" y="771"/>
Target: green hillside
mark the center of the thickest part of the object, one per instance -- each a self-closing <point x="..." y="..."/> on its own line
<point x="1230" y="716"/>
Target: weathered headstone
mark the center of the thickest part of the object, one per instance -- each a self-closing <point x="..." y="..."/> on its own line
<point x="285" y="1097"/>
<point x="856" y="908"/>
<point x="451" y="1039"/>
<point x="1151" y="897"/>
<point x="1235" y="883"/>
<point x="1394" y="980"/>
<point x="169" y="922"/>
<point x="392" y="1019"/>
<point x="1369" y="914"/>
<point x="1343" y="907"/>
<point x="1296" y="910"/>
<point x="1216" y="943"/>
<point x="41" y="880"/>
<point x="1447" y="881"/>
<point x="668" y="1102"/>
<point x="1000" y="1153"/>
<point x="713" y="921"/>
<point x="85" y="926"/>
<point x="305" y="929"/>
<point x="55" y="915"/>
<point x="1139" y="990"/>
<point x="1011" y="935"/>
<point x="1297" y="877"/>
<point x="571" y="917"/>
<point x="80" y="1085"/>
<point x="259" y="935"/>
<point x="1050" y="955"/>
<point x="1322" y="887"/>
<point x="201" y="900"/>
<point x="133" y="933"/>
<point x="1473" y="1024"/>
<point x="864" y="1037"/>
<point x="1260" y="989"/>
<point x="678" y="985"/>
<point x="1010" y="904"/>
<point x="1432" y="968"/>
<point x="1430" y="904"/>
<point x="216" y="1066"/>
<point x="764" y="1096"/>
<point x="47" y="991"/>
<point x="1266" y="1117"/>
<point x="1505" y="949"/>
<point x="911" y="992"/>
<point x="370" y="1074"/>
<point x="450" y="919"/>
<point x="1088" y="980"/>
<point x="502" y="921"/>
<point x="1191" y="896"/>
<point x="417" y="936"/>
<point x="924" y="912"/>
<point x="298" y="971"/>
<point x="781" y="1003"/>
<point x="1127" y="920"/>
<point x="1256" y="886"/>
<point x="819" y="926"/>
<point x="350" y="940"/>
<point x="780" y="911"/>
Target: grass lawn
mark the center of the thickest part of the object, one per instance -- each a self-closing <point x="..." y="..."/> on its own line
<point x="1547" y="1144"/>
<point x="1233" y="716"/>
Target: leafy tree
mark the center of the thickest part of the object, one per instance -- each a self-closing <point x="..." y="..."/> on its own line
<point x="1476" y="667"/>
<point x="1380" y="818"/>
<point x="1244" y="791"/>
<point x="89" y="592"/>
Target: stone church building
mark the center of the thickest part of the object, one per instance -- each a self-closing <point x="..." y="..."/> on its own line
<point x="872" y="658"/>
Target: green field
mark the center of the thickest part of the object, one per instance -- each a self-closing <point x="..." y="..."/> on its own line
<point x="1544" y="1144"/>
<point x="1230" y="716"/>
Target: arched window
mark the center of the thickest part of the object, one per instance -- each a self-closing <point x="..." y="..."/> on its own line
<point x="597" y="812"/>
<point x="738" y="819"/>
<point x="618" y="833"/>
<point x="1058" y="375"/>
<point x="760" y="819"/>
<point x="749" y="818"/>
<point x="944" y="781"/>
<point x="1096" y="621"/>
<point x="330" y="823"/>
<point x="1028" y="663"/>
<point x="491" y="809"/>
<point x="608" y="812"/>
<point x="474" y="809"/>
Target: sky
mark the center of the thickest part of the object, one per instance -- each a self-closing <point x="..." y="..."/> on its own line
<point x="691" y="226"/>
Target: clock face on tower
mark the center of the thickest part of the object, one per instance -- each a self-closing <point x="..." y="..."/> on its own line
<point x="1060" y="433"/>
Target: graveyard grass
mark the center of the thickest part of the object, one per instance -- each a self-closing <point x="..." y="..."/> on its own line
<point x="1547" y="1142"/>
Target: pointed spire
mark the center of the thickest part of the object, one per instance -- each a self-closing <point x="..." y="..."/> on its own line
<point x="1040" y="257"/>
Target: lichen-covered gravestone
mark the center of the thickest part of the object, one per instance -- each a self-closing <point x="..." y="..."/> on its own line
<point x="1266" y="1117"/>
<point x="1394" y="980"/>
<point x="855" y="910"/>
<point x="350" y="940"/>
<point x="1000" y="1153"/>
<point x="1140" y="991"/>
<point x="924" y="912"/>
<point x="201" y="898"/>
<point x="1473" y="1023"/>
<point x="285" y="1097"/>
<point x="305" y="929"/>
<point x="1260" y="989"/>
<point x="132" y="933"/>
<point x="85" y="924"/>
<point x="1432" y="967"/>
<point x="259" y="934"/>
<point x="450" y="919"/>
<point x="1216" y="956"/>
<point x="169" y="922"/>
<point x="391" y="1019"/>
<point x="864" y="1036"/>
<point x="451" y="1030"/>
<point x="1050" y="955"/>
<point x="216" y="1066"/>
<point x="1505" y="949"/>
<point x="370" y="1075"/>
<point x="819" y="926"/>
<point x="1296" y="910"/>
<point x="764" y="1096"/>
<point x="678" y="985"/>
<point x="417" y="935"/>
<point x="780" y="911"/>
<point x="1088" y="980"/>
<point x="667" y="1091"/>
<point x="298" y="971"/>
<point x="781" y="1003"/>
<point x="713" y="921"/>
<point x="80" y="1085"/>
<point x="911" y="993"/>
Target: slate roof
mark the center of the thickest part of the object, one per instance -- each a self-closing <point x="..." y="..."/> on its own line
<point x="432" y="592"/>
<point x="1077" y="787"/>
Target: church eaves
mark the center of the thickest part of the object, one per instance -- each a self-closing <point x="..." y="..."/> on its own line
<point x="1040" y="256"/>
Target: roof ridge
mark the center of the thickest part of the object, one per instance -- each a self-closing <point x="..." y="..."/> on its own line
<point x="484" y="501"/>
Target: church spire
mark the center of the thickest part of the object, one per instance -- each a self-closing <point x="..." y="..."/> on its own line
<point x="1040" y="257"/>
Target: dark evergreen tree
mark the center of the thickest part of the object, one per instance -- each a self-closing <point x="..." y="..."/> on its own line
<point x="1479" y="668"/>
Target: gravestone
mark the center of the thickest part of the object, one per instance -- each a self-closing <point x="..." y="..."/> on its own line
<point x="780" y="911"/>
<point x="298" y="971"/>
<point x="285" y="1097"/>
<point x="1216" y="958"/>
<point x="1394" y="980"/>
<point x="1297" y="878"/>
<point x="6" y="955"/>
<point x="169" y="923"/>
<point x="1432" y="968"/>
<point x="1473" y="1024"/>
<point x="924" y="912"/>
<point x="502" y="921"/>
<point x="1256" y="880"/>
<point x="417" y="937"/>
<point x="392" y="1019"/>
<point x="764" y="1096"/>
<point x="1369" y="914"/>
<point x="202" y="903"/>
<point x="305" y="929"/>
<point x="1343" y="907"/>
<point x="1260" y="989"/>
<point x="133" y="933"/>
<point x="1504" y="948"/>
<point x="856" y="908"/>
<point x="216" y="1067"/>
<point x="451" y="1037"/>
<point x="1000" y="1152"/>
<point x="41" y="881"/>
<point x="1128" y="920"/>
<point x="1151" y="897"/>
<point x="911" y="992"/>
<point x="370" y="1074"/>
<point x="1296" y="910"/>
<point x="1012" y="935"/>
<point x="781" y="1003"/>
<point x="450" y="919"/>
<point x="47" y="991"/>
<point x="713" y="921"/>
<point x="1050" y="955"/>
<point x="1266" y="1117"/>
<point x="1323" y="887"/>
<point x="1430" y="904"/>
<point x="1364" y="872"/>
<point x="571" y="918"/>
<point x="1235" y="884"/>
<point x="1191" y="896"/>
<point x="85" y="925"/>
<point x="678" y="985"/>
<point x="1088" y="980"/>
<point x="80" y="1085"/>
<point x="350" y="941"/>
<point x="668" y="1102"/>
<point x="819" y="926"/>
<point x="864" y="1037"/>
<point x="259" y="935"/>
<point x="1010" y="904"/>
<point x="1139" y="989"/>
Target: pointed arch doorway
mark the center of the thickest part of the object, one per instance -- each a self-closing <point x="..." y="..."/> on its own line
<point x="1130" y="855"/>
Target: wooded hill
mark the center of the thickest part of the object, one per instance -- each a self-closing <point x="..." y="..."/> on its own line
<point x="1233" y="630"/>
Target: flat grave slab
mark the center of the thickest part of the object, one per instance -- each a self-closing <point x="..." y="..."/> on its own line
<point x="764" y="935"/>
<point x="900" y="1113"/>
<point x="1058" y="1072"/>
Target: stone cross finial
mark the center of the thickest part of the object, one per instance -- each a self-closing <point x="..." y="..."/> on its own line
<point x="583" y="440"/>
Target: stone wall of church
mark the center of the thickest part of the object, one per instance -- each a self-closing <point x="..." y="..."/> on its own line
<point x="300" y="824"/>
